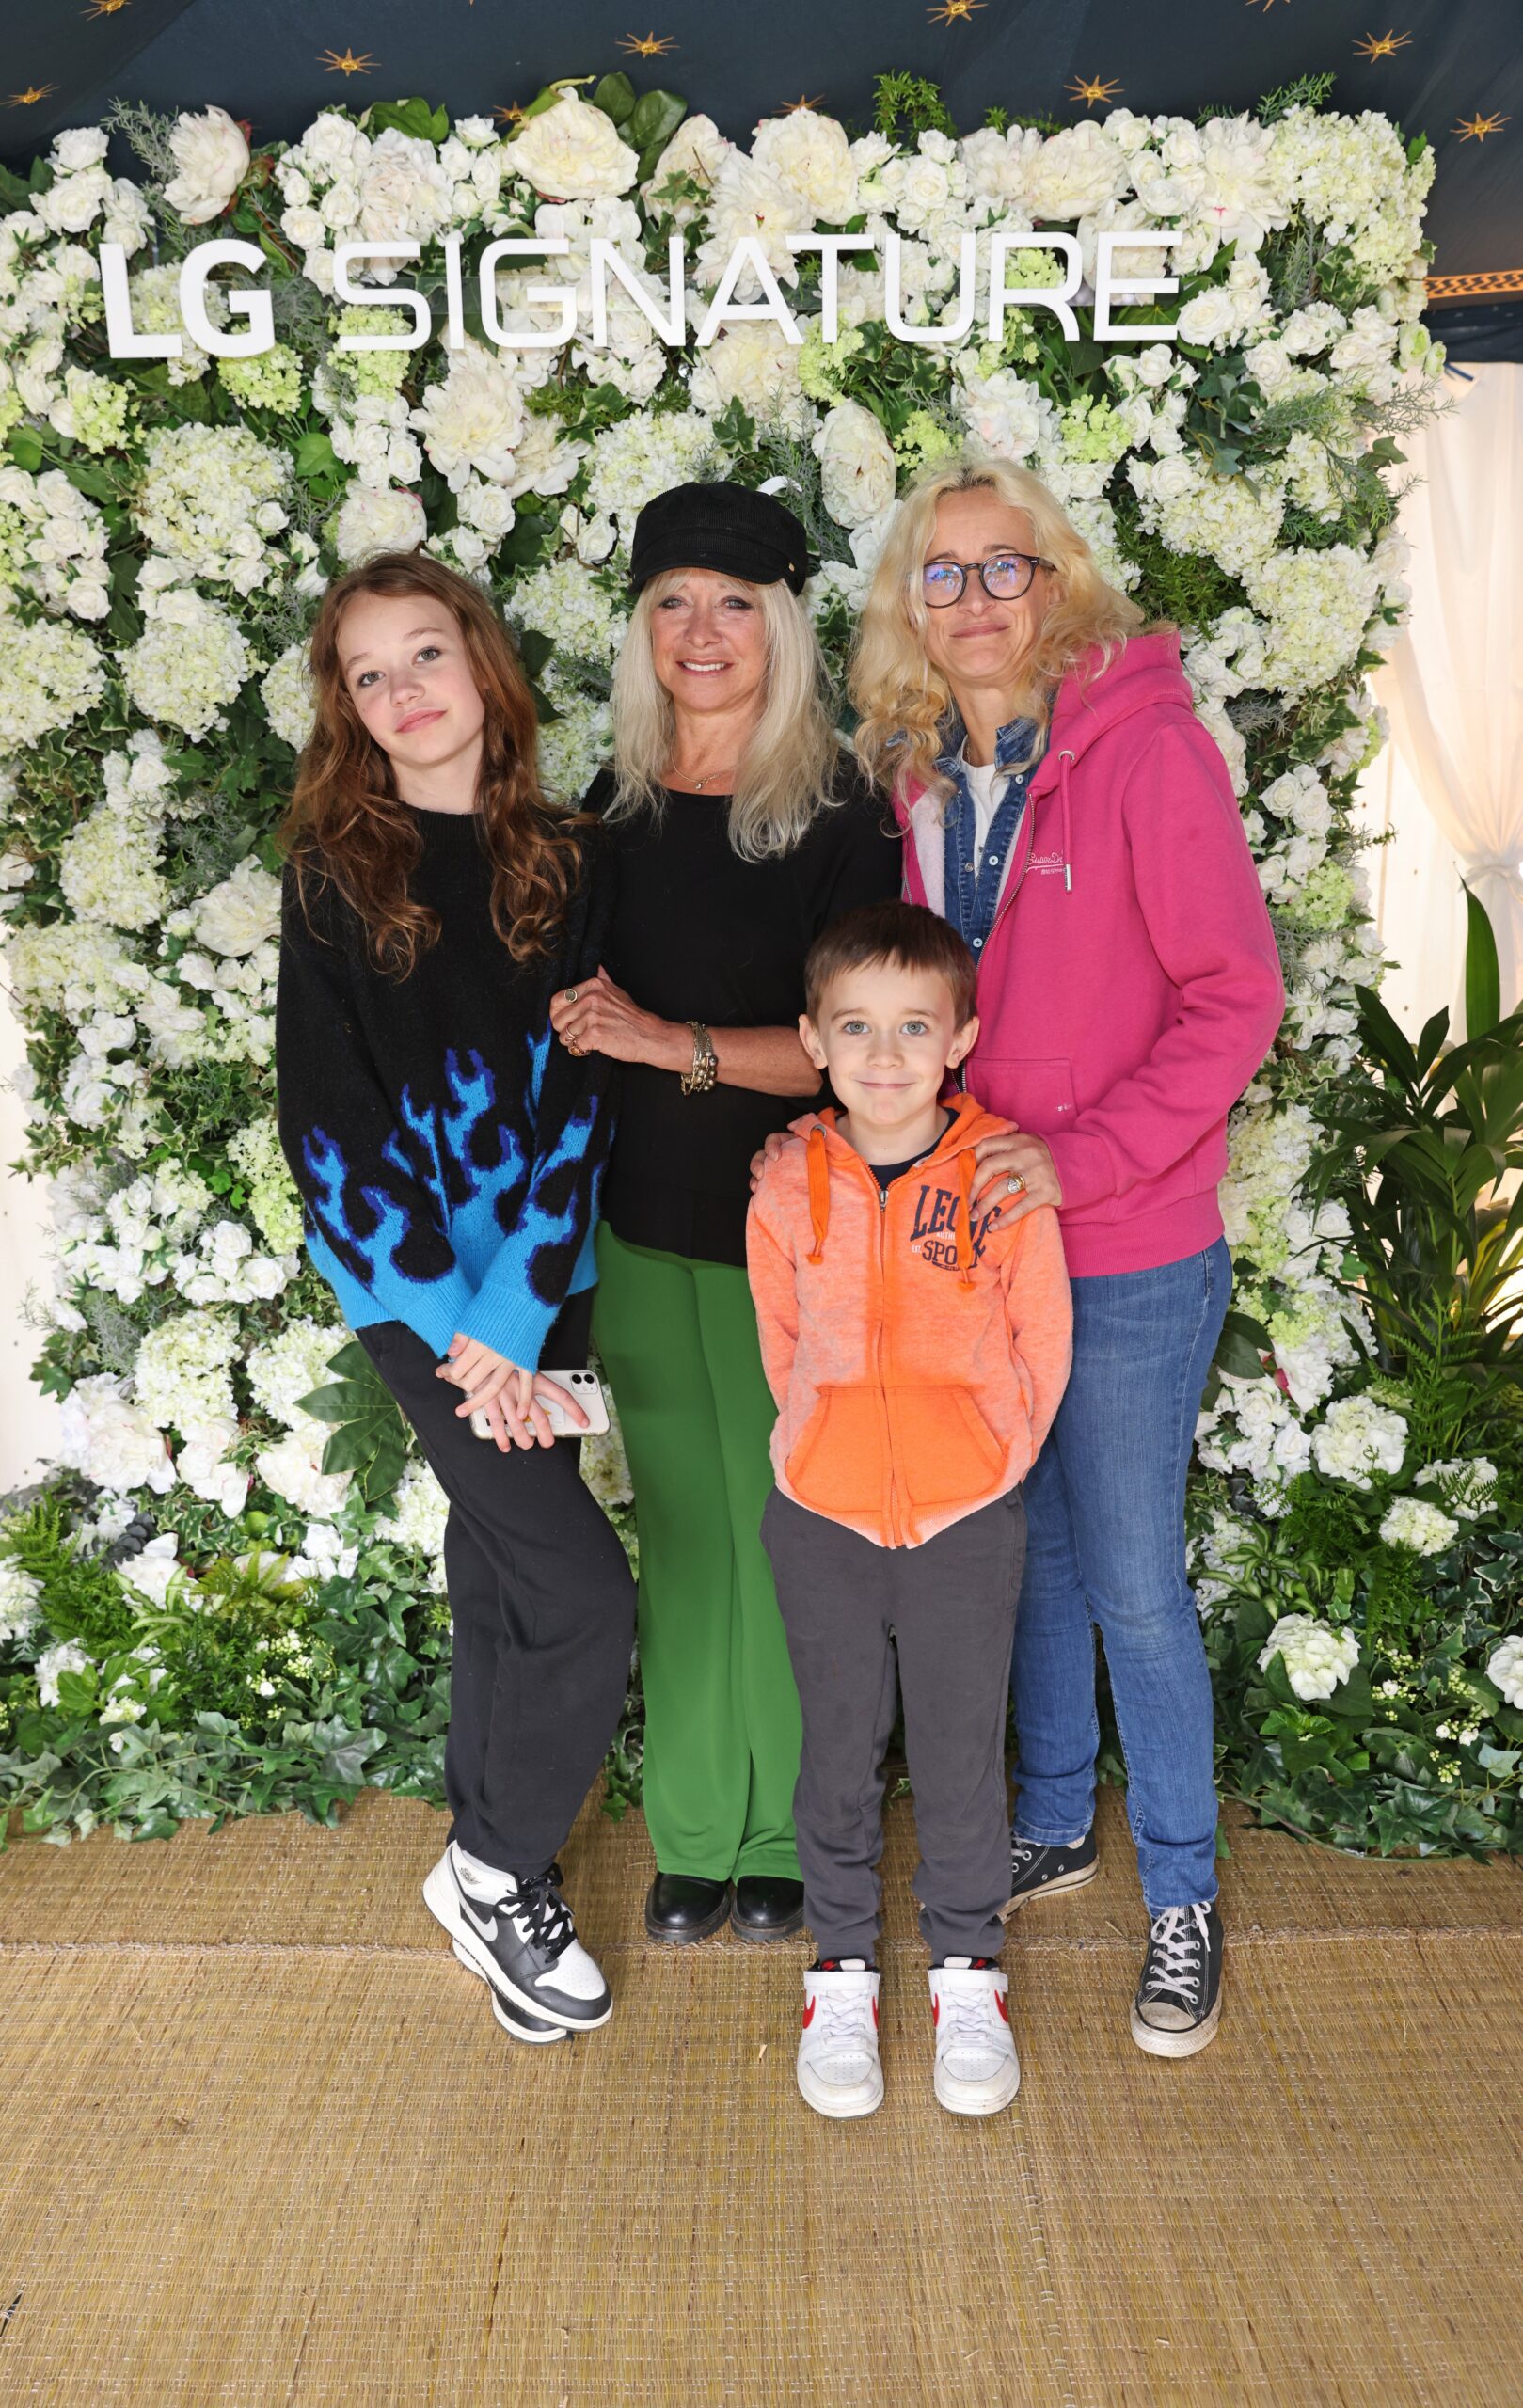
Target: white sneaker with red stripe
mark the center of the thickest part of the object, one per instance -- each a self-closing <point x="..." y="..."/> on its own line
<point x="838" y="2069"/>
<point x="978" y="2072"/>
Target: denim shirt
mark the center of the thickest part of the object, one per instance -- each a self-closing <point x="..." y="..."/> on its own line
<point x="973" y="884"/>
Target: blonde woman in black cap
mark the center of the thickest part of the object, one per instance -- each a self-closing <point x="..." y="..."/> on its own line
<point x="739" y="827"/>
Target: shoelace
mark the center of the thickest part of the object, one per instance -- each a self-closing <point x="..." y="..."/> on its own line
<point x="1177" y="1950"/>
<point x="964" y="2016"/>
<point x="1023" y="1853"/>
<point x="844" y="2015"/>
<point x="541" y="1914"/>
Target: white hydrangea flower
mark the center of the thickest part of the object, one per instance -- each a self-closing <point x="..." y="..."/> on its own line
<point x="155" y="299"/>
<point x="1505" y="1667"/>
<point x="1358" y="1437"/>
<point x="1317" y="1658"/>
<point x="73" y="966"/>
<point x="66" y="1657"/>
<point x="210" y="498"/>
<point x="574" y="746"/>
<point x="108" y="868"/>
<point x="48" y="676"/>
<point x="20" y="1593"/>
<point x="1468" y="1484"/>
<point x="181" y="1377"/>
<point x="111" y="1441"/>
<point x="562" y="601"/>
<point x="290" y="1365"/>
<point x="639" y="457"/>
<point x="287" y="689"/>
<point x="188" y="663"/>
<point x="419" y="1513"/>
<point x="1317" y="606"/>
<point x="1411" y="1523"/>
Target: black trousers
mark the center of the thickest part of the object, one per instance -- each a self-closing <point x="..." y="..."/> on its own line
<point x="543" y="1604"/>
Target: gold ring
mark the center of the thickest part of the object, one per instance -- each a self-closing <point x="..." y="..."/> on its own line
<point x="1015" y="1184"/>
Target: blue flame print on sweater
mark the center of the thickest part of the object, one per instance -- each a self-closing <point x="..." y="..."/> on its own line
<point x="505" y="1212"/>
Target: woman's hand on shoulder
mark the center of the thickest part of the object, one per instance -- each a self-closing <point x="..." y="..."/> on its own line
<point x="596" y="1017"/>
<point x="779" y="1140"/>
<point x="1021" y="1159"/>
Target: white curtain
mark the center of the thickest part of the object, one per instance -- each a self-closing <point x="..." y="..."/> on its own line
<point x="1451" y="789"/>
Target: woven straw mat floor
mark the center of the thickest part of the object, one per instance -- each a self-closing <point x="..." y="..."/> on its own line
<point x="265" y="2148"/>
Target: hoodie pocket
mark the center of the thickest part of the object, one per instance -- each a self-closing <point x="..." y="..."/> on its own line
<point x="1037" y="1096"/>
<point x="944" y="1451"/>
<point x="836" y="1464"/>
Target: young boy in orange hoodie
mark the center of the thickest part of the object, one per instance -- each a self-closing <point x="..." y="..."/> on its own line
<point x="917" y="1348"/>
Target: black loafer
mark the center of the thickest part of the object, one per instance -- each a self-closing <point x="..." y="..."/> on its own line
<point x="767" y="1909"/>
<point x="679" y="1907"/>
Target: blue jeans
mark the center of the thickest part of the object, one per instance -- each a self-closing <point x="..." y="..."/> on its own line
<point x="1106" y="1550"/>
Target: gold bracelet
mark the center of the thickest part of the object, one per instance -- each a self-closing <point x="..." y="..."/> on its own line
<point x="706" y="1062"/>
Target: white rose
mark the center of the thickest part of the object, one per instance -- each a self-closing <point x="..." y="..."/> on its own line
<point x="77" y="146"/>
<point x="856" y="464"/>
<point x="241" y="914"/>
<point x="293" y="1467"/>
<point x="1505" y="1668"/>
<point x="698" y="151"/>
<point x="212" y="154"/>
<point x="572" y="153"/>
<point x="1209" y="318"/>
<point x="377" y="519"/>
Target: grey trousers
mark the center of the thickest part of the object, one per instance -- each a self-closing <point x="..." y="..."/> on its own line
<point x="946" y="1611"/>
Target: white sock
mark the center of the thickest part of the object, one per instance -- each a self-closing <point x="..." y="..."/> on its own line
<point x="483" y="1881"/>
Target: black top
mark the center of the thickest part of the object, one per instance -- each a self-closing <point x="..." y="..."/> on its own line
<point x="700" y="934"/>
<point x="886" y="1173"/>
<point x="448" y="1151"/>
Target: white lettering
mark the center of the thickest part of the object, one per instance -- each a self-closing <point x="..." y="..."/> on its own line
<point x="1108" y="285"/>
<point x="748" y="253"/>
<point x="1043" y="296"/>
<point x="255" y="306"/>
<point x="381" y="297"/>
<point x="672" y="326"/>
<point x="833" y="248"/>
<point x="561" y="297"/>
<point x="894" y="295"/>
<point x="123" y="341"/>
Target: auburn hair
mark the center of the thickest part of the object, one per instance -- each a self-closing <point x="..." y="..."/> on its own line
<point x="347" y="823"/>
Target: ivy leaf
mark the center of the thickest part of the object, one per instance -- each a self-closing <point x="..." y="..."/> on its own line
<point x="413" y="117"/>
<point x="315" y="457"/>
<point x="656" y="118"/>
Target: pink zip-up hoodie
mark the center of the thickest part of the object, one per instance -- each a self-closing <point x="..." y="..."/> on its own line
<point x="1130" y="987"/>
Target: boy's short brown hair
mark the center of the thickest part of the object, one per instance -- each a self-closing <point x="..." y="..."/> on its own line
<point x="906" y="935"/>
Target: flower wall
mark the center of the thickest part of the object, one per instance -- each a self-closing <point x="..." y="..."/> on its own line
<point x="200" y="1615"/>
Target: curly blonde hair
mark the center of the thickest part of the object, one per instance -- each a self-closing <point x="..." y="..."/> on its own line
<point x="901" y="700"/>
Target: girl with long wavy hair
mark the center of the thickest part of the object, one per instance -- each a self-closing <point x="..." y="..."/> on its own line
<point x="448" y="1156"/>
<point x="1064" y="809"/>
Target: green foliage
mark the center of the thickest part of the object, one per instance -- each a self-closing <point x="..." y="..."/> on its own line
<point x="912" y="103"/>
<point x="1304" y="92"/>
<point x="370" y="1437"/>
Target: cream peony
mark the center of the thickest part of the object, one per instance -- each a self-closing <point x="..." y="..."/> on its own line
<point x="571" y="151"/>
<point x="378" y="518"/>
<point x="474" y="417"/>
<point x="811" y="156"/>
<point x="212" y="154"/>
<point x="244" y="912"/>
<point x="856" y="464"/>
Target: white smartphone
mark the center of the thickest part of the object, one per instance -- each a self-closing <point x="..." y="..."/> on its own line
<point x="587" y="1389"/>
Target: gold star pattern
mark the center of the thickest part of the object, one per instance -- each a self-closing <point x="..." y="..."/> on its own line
<point x="792" y="107"/>
<point x="513" y="115"/>
<point x="107" y="7"/>
<point x="646" y="45"/>
<point x="953" y="12"/>
<point x="33" y="93"/>
<point x="1090" y="89"/>
<point x="1381" y="45"/>
<point x="347" y="65"/>
<point x="1477" y="128"/>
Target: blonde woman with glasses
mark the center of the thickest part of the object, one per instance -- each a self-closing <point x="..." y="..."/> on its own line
<point x="739" y="827"/>
<point x="1064" y="809"/>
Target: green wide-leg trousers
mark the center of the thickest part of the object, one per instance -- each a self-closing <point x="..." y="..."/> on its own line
<point x="679" y="1341"/>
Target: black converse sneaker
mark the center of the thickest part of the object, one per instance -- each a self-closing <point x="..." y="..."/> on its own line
<point x="1036" y="1872"/>
<point x="523" y="1942"/>
<point x="1179" y="2000"/>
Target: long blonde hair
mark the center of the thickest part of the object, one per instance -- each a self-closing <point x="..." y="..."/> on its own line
<point x="902" y="700"/>
<point x="786" y="771"/>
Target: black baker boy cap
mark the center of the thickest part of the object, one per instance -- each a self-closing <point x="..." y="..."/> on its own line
<point x="727" y="528"/>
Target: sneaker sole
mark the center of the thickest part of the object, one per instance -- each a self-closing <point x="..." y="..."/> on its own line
<point x="840" y="2106"/>
<point x="439" y="1897"/>
<point x="1176" y="2044"/>
<point x="507" y="2014"/>
<point x="1050" y="1888"/>
<point x="958" y="2102"/>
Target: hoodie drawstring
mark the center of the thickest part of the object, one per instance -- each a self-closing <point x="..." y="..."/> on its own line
<point x="967" y="1172"/>
<point x="819" y="1192"/>
<point x="1064" y="760"/>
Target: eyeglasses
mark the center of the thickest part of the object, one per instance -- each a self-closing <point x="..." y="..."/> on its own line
<point x="1004" y="578"/>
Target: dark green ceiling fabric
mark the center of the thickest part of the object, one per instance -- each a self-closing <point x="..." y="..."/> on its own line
<point x="1454" y="62"/>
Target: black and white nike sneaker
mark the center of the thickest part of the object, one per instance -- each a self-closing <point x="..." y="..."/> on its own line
<point x="531" y="2029"/>
<point x="523" y="1942"/>
<point x="1038" y="1872"/>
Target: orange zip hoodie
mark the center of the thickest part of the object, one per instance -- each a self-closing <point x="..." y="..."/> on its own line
<point x="916" y="1372"/>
